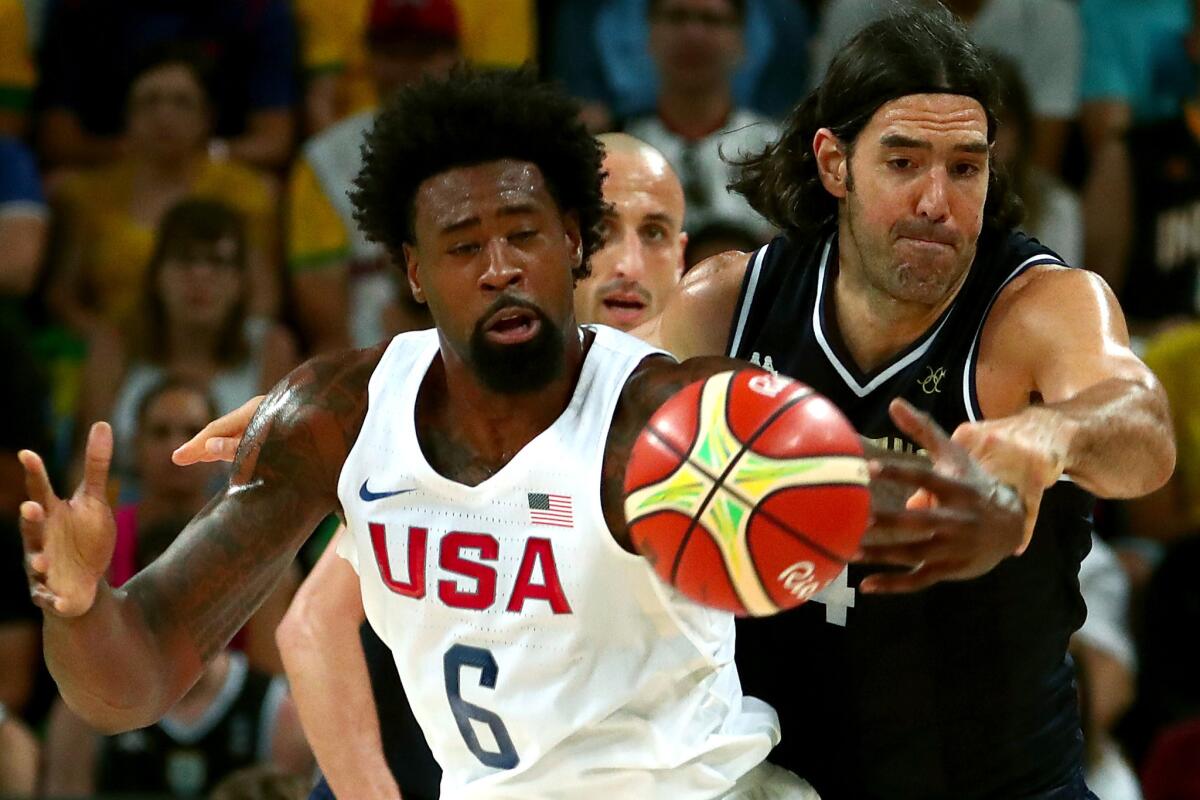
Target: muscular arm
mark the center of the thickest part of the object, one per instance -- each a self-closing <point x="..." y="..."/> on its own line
<point x="1102" y="417"/>
<point x="125" y="661"/>
<point x="330" y="686"/>
<point x="697" y="318"/>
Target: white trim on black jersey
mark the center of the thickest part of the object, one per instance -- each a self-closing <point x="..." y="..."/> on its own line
<point x="847" y="377"/>
<point x="973" y="413"/>
<point x="747" y="301"/>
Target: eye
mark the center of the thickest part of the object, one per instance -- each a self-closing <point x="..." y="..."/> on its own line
<point x="463" y="249"/>
<point x="966" y="170"/>
<point x="522" y="235"/>
<point x="654" y="233"/>
<point x="900" y="163"/>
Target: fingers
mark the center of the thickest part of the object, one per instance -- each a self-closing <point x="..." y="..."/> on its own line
<point x="905" y="526"/>
<point x="920" y="578"/>
<point x="219" y="439"/>
<point x="37" y="481"/>
<point x="203" y="451"/>
<point x="96" y="460"/>
<point x="920" y="428"/>
<point x="32" y="524"/>
<point x="916" y="475"/>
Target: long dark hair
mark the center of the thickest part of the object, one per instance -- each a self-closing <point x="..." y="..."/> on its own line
<point x="919" y="51"/>
<point x="190" y="221"/>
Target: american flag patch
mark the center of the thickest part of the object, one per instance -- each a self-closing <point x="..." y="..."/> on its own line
<point x="550" y="509"/>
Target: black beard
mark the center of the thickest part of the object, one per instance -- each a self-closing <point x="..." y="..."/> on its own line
<point x="517" y="368"/>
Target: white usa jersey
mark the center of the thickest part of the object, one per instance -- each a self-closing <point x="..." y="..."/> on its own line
<point x="541" y="659"/>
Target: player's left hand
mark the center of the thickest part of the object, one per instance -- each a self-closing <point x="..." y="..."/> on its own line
<point x="1028" y="451"/>
<point x="958" y="524"/>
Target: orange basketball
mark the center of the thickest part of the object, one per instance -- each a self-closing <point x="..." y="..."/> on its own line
<point x="747" y="492"/>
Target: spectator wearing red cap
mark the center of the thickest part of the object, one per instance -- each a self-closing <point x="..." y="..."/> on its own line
<point x="333" y="43"/>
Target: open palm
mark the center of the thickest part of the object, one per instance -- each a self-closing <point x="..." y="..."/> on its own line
<point x="68" y="541"/>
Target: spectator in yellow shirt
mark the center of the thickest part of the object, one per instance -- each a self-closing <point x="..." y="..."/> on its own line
<point x="1174" y="510"/>
<point x="109" y="213"/>
<point x="17" y="76"/>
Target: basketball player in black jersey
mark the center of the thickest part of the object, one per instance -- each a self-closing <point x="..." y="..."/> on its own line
<point x="900" y="275"/>
<point x="488" y="188"/>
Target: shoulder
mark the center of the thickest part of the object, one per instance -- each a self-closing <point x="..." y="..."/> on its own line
<point x="698" y="317"/>
<point x="313" y="415"/>
<point x="1053" y="304"/>
<point x="238" y="185"/>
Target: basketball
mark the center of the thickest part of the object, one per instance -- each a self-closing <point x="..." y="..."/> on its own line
<point x="747" y="492"/>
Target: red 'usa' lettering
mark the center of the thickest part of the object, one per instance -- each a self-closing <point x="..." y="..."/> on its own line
<point x="538" y="550"/>
<point x="416" y="560"/>
<point x="453" y="560"/>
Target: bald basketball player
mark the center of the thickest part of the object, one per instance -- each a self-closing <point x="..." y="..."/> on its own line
<point x="640" y="260"/>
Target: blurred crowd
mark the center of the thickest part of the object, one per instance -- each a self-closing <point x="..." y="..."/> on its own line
<point x="175" y="236"/>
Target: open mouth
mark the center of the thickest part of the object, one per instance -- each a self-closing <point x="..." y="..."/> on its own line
<point x="625" y="307"/>
<point x="512" y="325"/>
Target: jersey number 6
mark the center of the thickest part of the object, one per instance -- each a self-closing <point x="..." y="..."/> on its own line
<point x="457" y="657"/>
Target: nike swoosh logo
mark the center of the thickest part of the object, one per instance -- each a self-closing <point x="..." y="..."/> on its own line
<point x="368" y="496"/>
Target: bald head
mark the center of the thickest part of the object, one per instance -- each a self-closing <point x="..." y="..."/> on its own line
<point x="641" y="258"/>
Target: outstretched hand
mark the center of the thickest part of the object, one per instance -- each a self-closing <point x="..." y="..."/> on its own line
<point x="68" y="542"/>
<point x="219" y="439"/>
<point x="958" y="524"/>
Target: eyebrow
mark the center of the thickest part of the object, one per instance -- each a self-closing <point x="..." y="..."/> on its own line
<point x="898" y="140"/>
<point x="659" y="216"/>
<point x="511" y="210"/>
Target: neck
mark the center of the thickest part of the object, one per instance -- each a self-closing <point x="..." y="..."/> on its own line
<point x="874" y="325"/>
<point x="191" y="344"/>
<point x="166" y="171"/>
<point x="695" y="113"/>
<point x="496" y="426"/>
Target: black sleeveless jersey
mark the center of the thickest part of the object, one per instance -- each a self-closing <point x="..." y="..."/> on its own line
<point x="1163" y="276"/>
<point x="960" y="691"/>
<point x="188" y="760"/>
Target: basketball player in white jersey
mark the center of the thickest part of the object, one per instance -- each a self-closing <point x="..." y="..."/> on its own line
<point x="478" y="467"/>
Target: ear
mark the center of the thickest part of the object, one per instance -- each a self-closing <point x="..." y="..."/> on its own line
<point x="411" y="265"/>
<point x="570" y="222"/>
<point x="833" y="164"/>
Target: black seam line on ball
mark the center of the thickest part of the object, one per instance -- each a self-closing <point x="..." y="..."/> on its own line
<point x="717" y="482"/>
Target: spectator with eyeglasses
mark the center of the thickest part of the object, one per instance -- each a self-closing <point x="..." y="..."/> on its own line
<point x="192" y="321"/>
<point x="697" y="46"/>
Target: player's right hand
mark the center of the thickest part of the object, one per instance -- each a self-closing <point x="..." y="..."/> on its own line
<point x="68" y="542"/>
<point x="219" y="439"/>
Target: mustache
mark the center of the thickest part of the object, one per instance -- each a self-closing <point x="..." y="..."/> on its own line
<point x="921" y="229"/>
<point x="630" y="287"/>
<point x="506" y="301"/>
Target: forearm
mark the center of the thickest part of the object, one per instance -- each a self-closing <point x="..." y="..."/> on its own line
<point x="330" y="686"/>
<point x="1116" y="435"/>
<point x="93" y="656"/>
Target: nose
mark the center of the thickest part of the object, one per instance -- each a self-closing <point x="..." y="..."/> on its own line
<point x="632" y="263"/>
<point x="931" y="202"/>
<point x="501" y="270"/>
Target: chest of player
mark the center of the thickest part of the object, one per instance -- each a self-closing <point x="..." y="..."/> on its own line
<point x="472" y="570"/>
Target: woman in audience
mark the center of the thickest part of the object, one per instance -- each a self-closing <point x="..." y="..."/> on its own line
<point x="193" y="323"/>
<point x="108" y="214"/>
